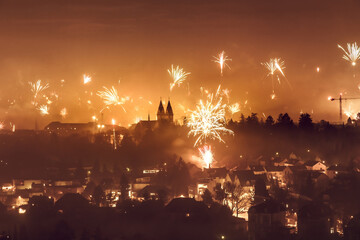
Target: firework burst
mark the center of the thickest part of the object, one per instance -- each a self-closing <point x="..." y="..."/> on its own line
<point x="86" y="79"/>
<point x="44" y="110"/>
<point x="178" y="76"/>
<point x="208" y="120"/>
<point x="274" y="65"/>
<point x="111" y="97"/>
<point x="221" y="60"/>
<point x="63" y="112"/>
<point x="206" y="155"/>
<point x="352" y="54"/>
<point x="37" y="88"/>
<point x="234" y="108"/>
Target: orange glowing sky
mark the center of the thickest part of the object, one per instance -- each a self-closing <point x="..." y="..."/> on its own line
<point x="137" y="41"/>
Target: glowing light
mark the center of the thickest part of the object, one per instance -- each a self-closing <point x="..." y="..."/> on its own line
<point x="317" y="69"/>
<point x="221" y="60"/>
<point x="37" y="88"/>
<point x="352" y="54"/>
<point x="86" y="79"/>
<point x="22" y="210"/>
<point x="273" y="65"/>
<point x="207" y="121"/>
<point x="350" y="113"/>
<point x="44" y="110"/>
<point x="234" y="108"/>
<point x="206" y="155"/>
<point x="13" y="127"/>
<point x="63" y="112"/>
<point x="2" y="125"/>
<point x="178" y="76"/>
<point x="113" y="121"/>
<point x="111" y="97"/>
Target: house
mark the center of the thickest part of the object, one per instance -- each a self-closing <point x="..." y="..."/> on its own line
<point x="335" y="170"/>
<point x="314" y="221"/>
<point x="244" y="178"/>
<point x="267" y="221"/>
<point x="280" y="174"/>
<point x="257" y="170"/>
<point x="155" y="192"/>
<point x="315" y="165"/>
<point x="26" y="183"/>
<point x="208" y="179"/>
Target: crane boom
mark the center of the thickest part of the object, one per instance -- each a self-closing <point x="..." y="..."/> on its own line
<point x="341" y="99"/>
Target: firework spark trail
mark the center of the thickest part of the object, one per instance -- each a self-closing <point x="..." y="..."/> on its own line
<point x="352" y="54"/>
<point x="37" y="88"/>
<point x="234" y="108"/>
<point x="208" y="120"/>
<point x="63" y="112"/>
<point x="86" y="78"/>
<point x="206" y="155"/>
<point x="221" y="60"/>
<point x="111" y="97"/>
<point x="226" y="92"/>
<point x="273" y="65"/>
<point x="44" y="110"/>
<point x="178" y="76"/>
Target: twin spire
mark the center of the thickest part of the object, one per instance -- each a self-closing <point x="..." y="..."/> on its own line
<point x="163" y="115"/>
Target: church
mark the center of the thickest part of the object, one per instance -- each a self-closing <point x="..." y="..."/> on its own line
<point x="163" y="117"/>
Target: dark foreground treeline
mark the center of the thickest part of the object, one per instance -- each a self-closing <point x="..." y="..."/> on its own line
<point x="256" y="139"/>
<point x="253" y="140"/>
<point x="72" y="217"/>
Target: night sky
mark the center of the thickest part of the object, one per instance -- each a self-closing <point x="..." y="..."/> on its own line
<point x="131" y="44"/>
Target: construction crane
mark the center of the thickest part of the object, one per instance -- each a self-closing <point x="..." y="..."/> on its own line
<point x="341" y="99"/>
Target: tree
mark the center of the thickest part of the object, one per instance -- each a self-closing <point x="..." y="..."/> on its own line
<point x="242" y="119"/>
<point x="146" y="195"/>
<point x="239" y="200"/>
<point x="260" y="188"/>
<point x="179" y="177"/>
<point x="305" y="122"/>
<point x="207" y="197"/>
<point x="252" y="119"/>
<point x="80" y="173"/>
<point x="269" y="121"/>
<point x="98" y="196"/>
<point x="163" y="195"/>
<point x="220" y="194"/>
<point x="124" y="187"/>
<point x="284" y="120"/>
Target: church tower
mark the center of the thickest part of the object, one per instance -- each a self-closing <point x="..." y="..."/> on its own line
<point x="169" y="112"/>
<point x="161" y="112"/>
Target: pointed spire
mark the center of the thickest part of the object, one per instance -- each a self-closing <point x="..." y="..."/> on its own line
<point x="169" y="108"/>
<point x="161" y="108"/>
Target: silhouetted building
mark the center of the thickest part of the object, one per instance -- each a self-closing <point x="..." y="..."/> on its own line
<point x="352" y="230"/>
<point x="163" y="115"/>
<point x="314" y="221"/>
<point x="70" y="128"/>
<point x="267" y="221"/>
